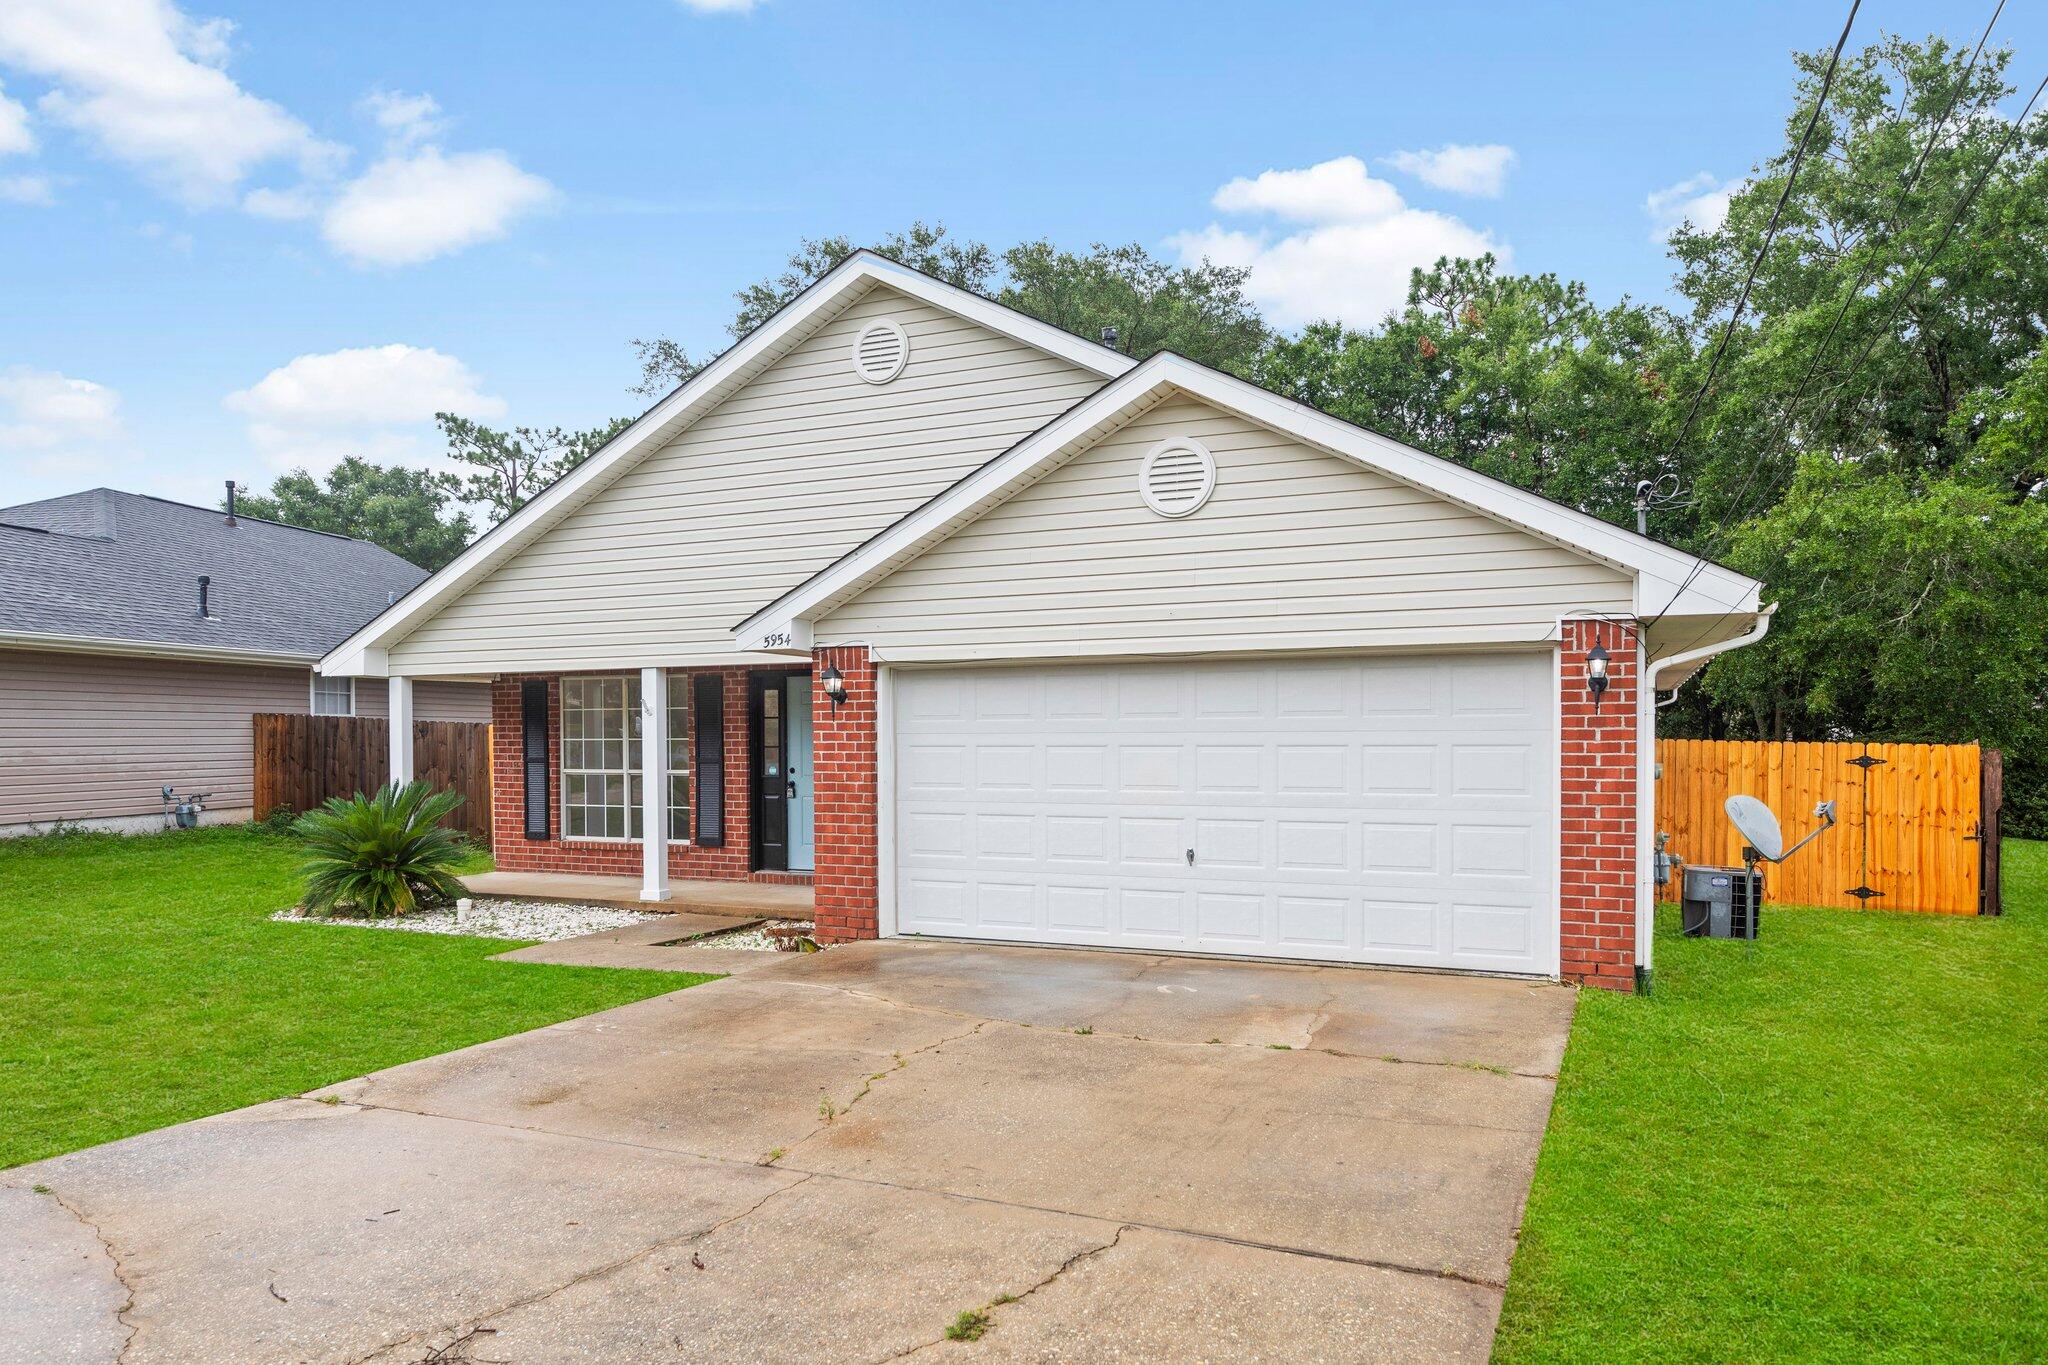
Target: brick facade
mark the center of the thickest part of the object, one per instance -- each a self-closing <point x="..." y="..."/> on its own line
<point x="843" y="771"/>
<point x="515" y="852"/>
<point x="1598" y="775"/>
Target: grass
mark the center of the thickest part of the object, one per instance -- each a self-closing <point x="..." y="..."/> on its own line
<point x="142" y="983"/>
<point x="1834" y="1147"/>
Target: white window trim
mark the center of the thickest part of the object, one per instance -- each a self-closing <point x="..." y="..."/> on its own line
<point x="632" y="749"/>
<point x="313" y="696"/>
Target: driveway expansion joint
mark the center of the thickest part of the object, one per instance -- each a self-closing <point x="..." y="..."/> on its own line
<point x="468" y="1327"/>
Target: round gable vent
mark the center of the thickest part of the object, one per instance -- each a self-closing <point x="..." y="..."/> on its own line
<point x="1177" y="477"/>
<point x="880" y="351"/>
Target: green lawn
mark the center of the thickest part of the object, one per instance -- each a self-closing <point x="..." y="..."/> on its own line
<point x="141" y="983"/>
<point x="1835" y="1147"/>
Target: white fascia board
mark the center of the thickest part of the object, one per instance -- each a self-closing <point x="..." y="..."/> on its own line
<point x="662" y="423"/>
<point x="152" y="649"/>
<point x="1658" y="570"/>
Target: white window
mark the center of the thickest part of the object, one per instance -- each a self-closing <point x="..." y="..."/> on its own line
<point x="601" y="758"/>
<point x="334" y="696"/>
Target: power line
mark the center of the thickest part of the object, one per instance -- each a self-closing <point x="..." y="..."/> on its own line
<point x="1906" y="295"/>
<point x="1739" y="505"/>
<point x="1770" y="234"/>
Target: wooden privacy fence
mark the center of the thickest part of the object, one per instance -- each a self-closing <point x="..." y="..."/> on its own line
<point x="1918" y="822"/>
<point x="301" y="761"/>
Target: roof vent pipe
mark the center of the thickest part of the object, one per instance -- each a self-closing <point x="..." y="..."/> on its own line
<point x="204" y="583"/>
<point x="231" y="502"/>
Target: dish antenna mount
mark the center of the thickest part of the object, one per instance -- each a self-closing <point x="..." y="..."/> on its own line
<point x="1766" y="842"/>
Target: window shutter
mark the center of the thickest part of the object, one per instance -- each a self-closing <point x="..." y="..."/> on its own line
<point x="533" y="720"/>
<point x="709" y="716"/>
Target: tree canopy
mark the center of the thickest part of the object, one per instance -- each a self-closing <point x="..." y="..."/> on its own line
<point x="404" y="510"/>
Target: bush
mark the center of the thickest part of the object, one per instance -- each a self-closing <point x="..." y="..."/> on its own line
<point x="380" y="855"/>
<point x="279" y="820"/>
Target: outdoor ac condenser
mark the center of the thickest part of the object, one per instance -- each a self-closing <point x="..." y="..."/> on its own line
<point x="1721" y="902"/>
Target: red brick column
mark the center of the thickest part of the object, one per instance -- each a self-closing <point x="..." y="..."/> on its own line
<point x="1597" y="862"/>
<point x="843" y="770"/>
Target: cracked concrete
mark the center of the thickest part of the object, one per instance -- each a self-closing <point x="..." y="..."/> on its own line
<point x="1115" y="1154"/>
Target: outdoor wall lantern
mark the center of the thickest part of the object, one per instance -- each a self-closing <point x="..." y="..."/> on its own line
<point x="1596" y="673"/>
<point x="835" y="684"/>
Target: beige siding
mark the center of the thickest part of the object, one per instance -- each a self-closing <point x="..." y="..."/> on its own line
<point x="799" y="466"/>
<point x="431" y="700"/>
<point x="1296" y="549"/>
<point x="93" y="736"/>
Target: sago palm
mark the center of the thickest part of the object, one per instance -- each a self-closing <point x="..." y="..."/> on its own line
<point x="384" y="854"/>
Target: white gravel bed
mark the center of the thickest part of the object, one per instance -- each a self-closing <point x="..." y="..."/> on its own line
<point x="754" y="940"/>
<point x="544" y="921"/>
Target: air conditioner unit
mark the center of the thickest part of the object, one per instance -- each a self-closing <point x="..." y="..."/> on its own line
<point x="1721" y="902"/>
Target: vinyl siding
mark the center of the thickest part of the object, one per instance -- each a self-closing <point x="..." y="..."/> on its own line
<point x="87" y="736"/>
<point x="1296" y="549"/>
<point x="797" y="467"/>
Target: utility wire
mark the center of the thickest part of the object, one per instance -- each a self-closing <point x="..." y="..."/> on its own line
<point x="1906" y="295"/>
<point x="1739" y="505"/>
<point x="1770" y="234"/>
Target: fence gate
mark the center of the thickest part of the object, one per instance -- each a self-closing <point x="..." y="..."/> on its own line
<point x="1918" y="822"/>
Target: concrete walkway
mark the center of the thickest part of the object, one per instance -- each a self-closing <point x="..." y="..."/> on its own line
<point x="833" y="1157"/>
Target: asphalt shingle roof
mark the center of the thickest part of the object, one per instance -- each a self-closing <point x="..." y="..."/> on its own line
<point x="108" y="564"/>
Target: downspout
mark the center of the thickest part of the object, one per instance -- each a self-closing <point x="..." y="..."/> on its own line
<point x="1646" y="779"/>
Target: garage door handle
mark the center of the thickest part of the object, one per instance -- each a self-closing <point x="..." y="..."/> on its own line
<point x="1191" y="857"/>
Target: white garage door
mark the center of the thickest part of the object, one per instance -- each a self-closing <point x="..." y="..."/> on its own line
<point x="1391" y="811"/>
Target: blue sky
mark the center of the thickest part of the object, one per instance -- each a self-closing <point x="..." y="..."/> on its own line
<point x="235" y="237"/>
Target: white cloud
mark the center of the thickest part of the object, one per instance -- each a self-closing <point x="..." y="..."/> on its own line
<point x="720" y="6"/>
<point x="1701" y="200"/>
<point x="373" y="401"/>
<point x="413" y="207"/>
<point x="1352" y="256"/>
<point x="54" y="426"/>
<point x="36" y="191"/>
<point x="282" y="206"/>
<point x="1460" y="168"/>
<point x="405" y="119"/>
<point x="148" y="84"/>
<point x="1339" y="191"/>
<point x="15" y="137"/>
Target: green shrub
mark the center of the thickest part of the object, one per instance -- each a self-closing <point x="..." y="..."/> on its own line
<point x="279" y="820"/>
<point x="381" y="855"/>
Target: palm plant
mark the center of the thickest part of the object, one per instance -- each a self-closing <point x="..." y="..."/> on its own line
<point x="384" y="854"/>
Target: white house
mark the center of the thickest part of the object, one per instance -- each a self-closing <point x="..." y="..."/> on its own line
<point x="992" y="632"/>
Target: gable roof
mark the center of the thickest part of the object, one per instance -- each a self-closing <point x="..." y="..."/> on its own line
<point x="1668" y="581"/>
<point x="119" y="572"/>
<point x="788" y="328"/>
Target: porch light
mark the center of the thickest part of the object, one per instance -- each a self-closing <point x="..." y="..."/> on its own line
<point x="1596" y="673"/>
<point x="835" y="684"/>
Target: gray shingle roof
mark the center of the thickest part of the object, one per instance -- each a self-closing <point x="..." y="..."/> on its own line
<point x="107" y="564"/>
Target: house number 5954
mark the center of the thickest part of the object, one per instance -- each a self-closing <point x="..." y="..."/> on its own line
<point x="775" y="639"/>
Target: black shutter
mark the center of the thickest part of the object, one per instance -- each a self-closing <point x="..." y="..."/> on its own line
<point x="708" y="714"/>
<point x="533" y="719"/>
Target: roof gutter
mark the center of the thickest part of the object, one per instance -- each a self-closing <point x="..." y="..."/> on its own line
<point x="152" y="649"/>
<point x="1646" y="779"/>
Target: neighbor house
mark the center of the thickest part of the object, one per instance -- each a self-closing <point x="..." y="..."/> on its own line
<point x="993" y="632"/>
<point x="138" y="636"/>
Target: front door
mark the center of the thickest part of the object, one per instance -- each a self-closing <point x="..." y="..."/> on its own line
<point x="783" y="839"/>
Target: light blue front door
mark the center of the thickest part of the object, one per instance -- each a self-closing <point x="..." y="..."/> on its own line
<point x="802" y="820"/>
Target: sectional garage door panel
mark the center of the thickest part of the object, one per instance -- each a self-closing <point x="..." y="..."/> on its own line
<point x="1392" y="811"/>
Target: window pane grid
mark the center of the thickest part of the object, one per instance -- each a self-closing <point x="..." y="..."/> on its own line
<point x="601" y="781"/>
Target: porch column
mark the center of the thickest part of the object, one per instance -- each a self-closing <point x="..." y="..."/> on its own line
<point x="654" y="784"/>
<point x="401" y="730"/>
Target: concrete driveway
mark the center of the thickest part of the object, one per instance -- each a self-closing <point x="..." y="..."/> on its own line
<point x="833" y="1157"/>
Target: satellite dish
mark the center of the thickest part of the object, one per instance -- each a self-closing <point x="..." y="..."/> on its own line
<point x="1754" y="820"/>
